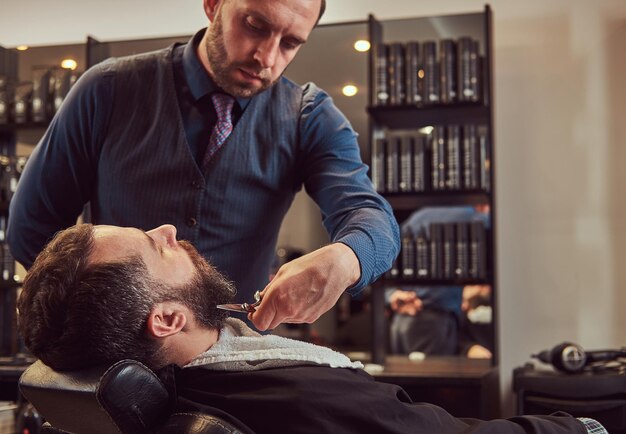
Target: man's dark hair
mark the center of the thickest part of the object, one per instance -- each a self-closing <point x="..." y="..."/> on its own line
<point x="74" y="314"/>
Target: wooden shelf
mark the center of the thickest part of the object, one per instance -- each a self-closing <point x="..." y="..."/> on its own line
<point x="411" y="201"/>
<point x="407" y="117"/>
<point x="399" y="281"/>
<point x="12" y="127"/>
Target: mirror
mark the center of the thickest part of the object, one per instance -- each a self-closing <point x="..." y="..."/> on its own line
<point x="331" y="61"/>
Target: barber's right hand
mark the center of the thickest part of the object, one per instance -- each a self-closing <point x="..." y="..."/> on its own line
<point x="405" y="302"/>
<point x="307" y="287"/>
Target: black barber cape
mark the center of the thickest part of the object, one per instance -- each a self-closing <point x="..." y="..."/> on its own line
<point x="319" y="399"/>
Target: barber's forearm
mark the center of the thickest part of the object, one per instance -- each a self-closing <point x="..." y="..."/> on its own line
<point x="348" y="262"/>
<point x="374" y="238"/>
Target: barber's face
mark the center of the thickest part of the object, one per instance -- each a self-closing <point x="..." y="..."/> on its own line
<point x="251" y="42"/>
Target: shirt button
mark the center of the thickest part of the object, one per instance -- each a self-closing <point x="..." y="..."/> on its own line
<point x="191" y="222"/>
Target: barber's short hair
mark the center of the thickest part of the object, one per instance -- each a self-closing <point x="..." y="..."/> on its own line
<point x="322" y="10"/>
<point x="73" y="314"/>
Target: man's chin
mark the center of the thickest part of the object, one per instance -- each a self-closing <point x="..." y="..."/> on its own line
<point x="244" y="91"/>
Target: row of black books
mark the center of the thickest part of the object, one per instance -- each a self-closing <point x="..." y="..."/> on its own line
<point x="37" y="100"/>
<point x="450" y="251"/>
<point x="7" y="262"/>
<point x="10" y="171"/>
<point x="433" y="159"/>
<point x="427" y="73"/>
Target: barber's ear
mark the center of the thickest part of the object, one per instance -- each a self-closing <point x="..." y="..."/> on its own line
<point x="166" y="319"/>
<point x="210" y="8"/>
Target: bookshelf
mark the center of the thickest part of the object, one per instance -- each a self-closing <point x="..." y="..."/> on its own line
<point x="431" y="136"/>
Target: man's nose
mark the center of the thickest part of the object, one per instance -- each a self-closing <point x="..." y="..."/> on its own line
<point x="164" y="234"/>
<point x="266" y="53"/>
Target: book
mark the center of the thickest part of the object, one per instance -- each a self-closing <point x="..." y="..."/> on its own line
<point x="41" y="102"/>
<point x="8" y="264"/>
<point x="431" y="73"/>
<point x="438" y="158"/>
<point x="5" y="98"/>
<point x="461" y="252"/>
<point x="448" y="268"/>
<point x="406" y="163"/>
<point x="453" y="160"/>
<point x="471" y="158"/>
<point x="448" y="68"/>
<point x="414" y="74"/>
<point x="64" y="79"/>
<point x="380" y="73"/>
<point x="8" y="64"/>
<point x="392" y="163"/>
<point x="396" y="74"/>
<point x="475" y="71"/>
<point x="436" y="250"/>
<point x="477" y="250"/>
<point x="22" y="102"/>
<point x="420" y="162"/>
<point x="394" y="271"/>
<point x="378" y="161"/>
<point x="467" y="78"/>
<point x="422" y="256"/>
<point x="3" y="228"/>
<point x="408" y="257"/>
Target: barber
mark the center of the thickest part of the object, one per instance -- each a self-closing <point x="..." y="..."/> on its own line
<point x="210" y="136"/>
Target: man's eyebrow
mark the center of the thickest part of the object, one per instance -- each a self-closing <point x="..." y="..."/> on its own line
<point x="254" y="14"/>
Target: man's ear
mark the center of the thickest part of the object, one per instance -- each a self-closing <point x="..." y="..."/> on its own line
<point x="210" y="8"/>
<point x="166" y="319"/>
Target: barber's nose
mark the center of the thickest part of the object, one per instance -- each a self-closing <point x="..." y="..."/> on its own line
<point x="266" y="53"/>
<point x="165" y="234"/>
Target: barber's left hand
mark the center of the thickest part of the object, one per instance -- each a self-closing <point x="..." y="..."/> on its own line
<point x="307" y="287"/>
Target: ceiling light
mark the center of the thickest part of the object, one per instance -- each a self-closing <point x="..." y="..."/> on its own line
<point x="22" y="47"/>
<point x="69" y="64"/>
<point x="362" y="45"/>
<point x="349" y="90"/>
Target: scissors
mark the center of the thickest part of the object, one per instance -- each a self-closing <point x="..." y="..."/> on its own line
<point x="243" y="307"/>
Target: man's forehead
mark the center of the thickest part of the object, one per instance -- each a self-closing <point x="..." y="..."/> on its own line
<point x="113" y="242"/>
<point x="272" y="11"/>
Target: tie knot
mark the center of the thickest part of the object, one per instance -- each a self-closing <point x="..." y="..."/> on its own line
<point x="223" y="106"/>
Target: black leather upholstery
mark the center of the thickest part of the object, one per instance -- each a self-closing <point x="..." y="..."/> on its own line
<point x="196" y="423"/>
<point x="124" y="398"/>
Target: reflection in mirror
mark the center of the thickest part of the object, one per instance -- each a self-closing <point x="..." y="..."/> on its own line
<point x="434" y="318"/>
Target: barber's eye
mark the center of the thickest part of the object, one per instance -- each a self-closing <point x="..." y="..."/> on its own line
<point x="289" y="45"/>
<point x="254" y="25"/>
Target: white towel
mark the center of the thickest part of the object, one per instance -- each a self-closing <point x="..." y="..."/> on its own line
<point x="239" y="348"/>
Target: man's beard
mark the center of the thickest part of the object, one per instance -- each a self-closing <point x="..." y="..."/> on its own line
<point x="218" y="59"/>
<point x="205" y="291"/>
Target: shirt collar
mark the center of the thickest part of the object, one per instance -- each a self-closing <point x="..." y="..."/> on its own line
<point x="199" y="81"/>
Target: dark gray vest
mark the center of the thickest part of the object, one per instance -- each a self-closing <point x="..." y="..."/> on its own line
<point x="148" y="177"/>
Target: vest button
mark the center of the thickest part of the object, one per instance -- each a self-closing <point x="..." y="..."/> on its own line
<point x="197" y="184"/>
<point x="191" y="222"/>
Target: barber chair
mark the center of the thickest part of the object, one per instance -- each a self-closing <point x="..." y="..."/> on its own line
<point x="126" y="397"/>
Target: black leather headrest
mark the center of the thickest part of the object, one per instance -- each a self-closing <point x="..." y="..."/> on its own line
<point x="126" y="397"/>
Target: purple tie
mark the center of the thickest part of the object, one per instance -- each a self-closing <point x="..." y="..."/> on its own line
<point x="223" y="127"/>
